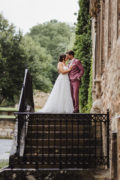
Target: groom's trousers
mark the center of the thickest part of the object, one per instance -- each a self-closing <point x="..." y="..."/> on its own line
<point x="75" y="94"/>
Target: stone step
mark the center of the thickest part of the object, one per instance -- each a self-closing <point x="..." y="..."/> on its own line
<point x="60" y="122"/>
<point x="72" y="166"/>
<point x="65" y="150"/>
<point x="62" y="142"/>
<point x="58" y="128"/>
<point x="57" y="161"/>
<point x="61" y="147"/>
<point x="57" y="134"/>
<point x="58" y="156"/>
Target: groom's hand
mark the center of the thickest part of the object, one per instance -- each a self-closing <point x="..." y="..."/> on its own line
<point x="78" y="78"/>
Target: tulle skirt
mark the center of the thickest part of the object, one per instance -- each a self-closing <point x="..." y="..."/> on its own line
<point x="60" y="99"/>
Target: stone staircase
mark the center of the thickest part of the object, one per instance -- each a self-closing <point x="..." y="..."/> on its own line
<point x="60" y="144"/>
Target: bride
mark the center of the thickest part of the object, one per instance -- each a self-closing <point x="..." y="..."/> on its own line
<point x="60" y="99"/>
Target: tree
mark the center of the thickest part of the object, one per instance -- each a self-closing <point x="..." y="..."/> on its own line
<point x="16" y="54"/>
<point x="39" y="64"/>
<point x="12" y="61"/>
<point x="82" y="49"/>
<point x="55" y="37"/>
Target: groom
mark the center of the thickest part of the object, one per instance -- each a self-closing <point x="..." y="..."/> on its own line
<point x="75" y="75"/>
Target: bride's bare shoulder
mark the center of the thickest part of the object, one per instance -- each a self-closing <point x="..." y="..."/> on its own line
<point x="60" y="64"/>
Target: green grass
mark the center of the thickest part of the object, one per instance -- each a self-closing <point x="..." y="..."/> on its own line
<point x="5" y="137"/>
<point x="8" y="109"/>
<point x="7" y="116"/>
<point x="11" y="109"/>
<point x="3" y="163"/>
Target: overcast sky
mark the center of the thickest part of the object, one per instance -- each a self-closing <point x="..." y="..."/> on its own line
<point x="26" y="13"/>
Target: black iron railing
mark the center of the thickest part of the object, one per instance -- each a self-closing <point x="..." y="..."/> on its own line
<point x="26" y="104"/>
<point x="65" y="141"/>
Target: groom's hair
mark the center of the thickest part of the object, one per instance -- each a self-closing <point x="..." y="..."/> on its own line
<point x="70" y="52"/>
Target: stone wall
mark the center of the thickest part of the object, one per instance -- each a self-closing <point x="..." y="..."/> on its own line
<point x="40" y="98"/>
<point x="7" y="128"/>
<point x="110" y="83"/>
<point x="106" y="58"/>
<point x="106" y="69"/>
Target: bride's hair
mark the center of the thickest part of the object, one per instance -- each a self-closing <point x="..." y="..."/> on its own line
<point x="62" y="57"/>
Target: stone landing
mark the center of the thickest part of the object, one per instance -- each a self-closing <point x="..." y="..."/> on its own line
<point x="44" y="174"/>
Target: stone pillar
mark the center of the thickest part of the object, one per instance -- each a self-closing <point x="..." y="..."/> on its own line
<point x="115" y="164"/>
<point x="118" y="148"/>
<point x="114" y="156"/>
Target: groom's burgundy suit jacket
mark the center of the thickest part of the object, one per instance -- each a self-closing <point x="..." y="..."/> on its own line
<point x="77" y="70"/>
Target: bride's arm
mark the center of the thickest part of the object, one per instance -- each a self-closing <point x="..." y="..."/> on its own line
<point x="61" y="70"/>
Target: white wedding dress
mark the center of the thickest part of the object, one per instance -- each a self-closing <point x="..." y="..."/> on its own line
<point x="60" y="99"/>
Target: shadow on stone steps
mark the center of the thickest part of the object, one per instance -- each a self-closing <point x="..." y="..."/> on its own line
<point x="44" y="174"/>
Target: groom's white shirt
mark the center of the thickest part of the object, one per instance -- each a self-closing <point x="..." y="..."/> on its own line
<point x="71" y="61"/>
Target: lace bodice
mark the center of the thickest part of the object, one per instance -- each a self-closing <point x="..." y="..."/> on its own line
<point x="65" y="67"/>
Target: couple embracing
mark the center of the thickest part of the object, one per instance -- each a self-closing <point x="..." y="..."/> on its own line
<point x="64" y="97"/>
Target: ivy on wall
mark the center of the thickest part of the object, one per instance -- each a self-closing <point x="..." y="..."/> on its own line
<point x="82" y="48"/>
